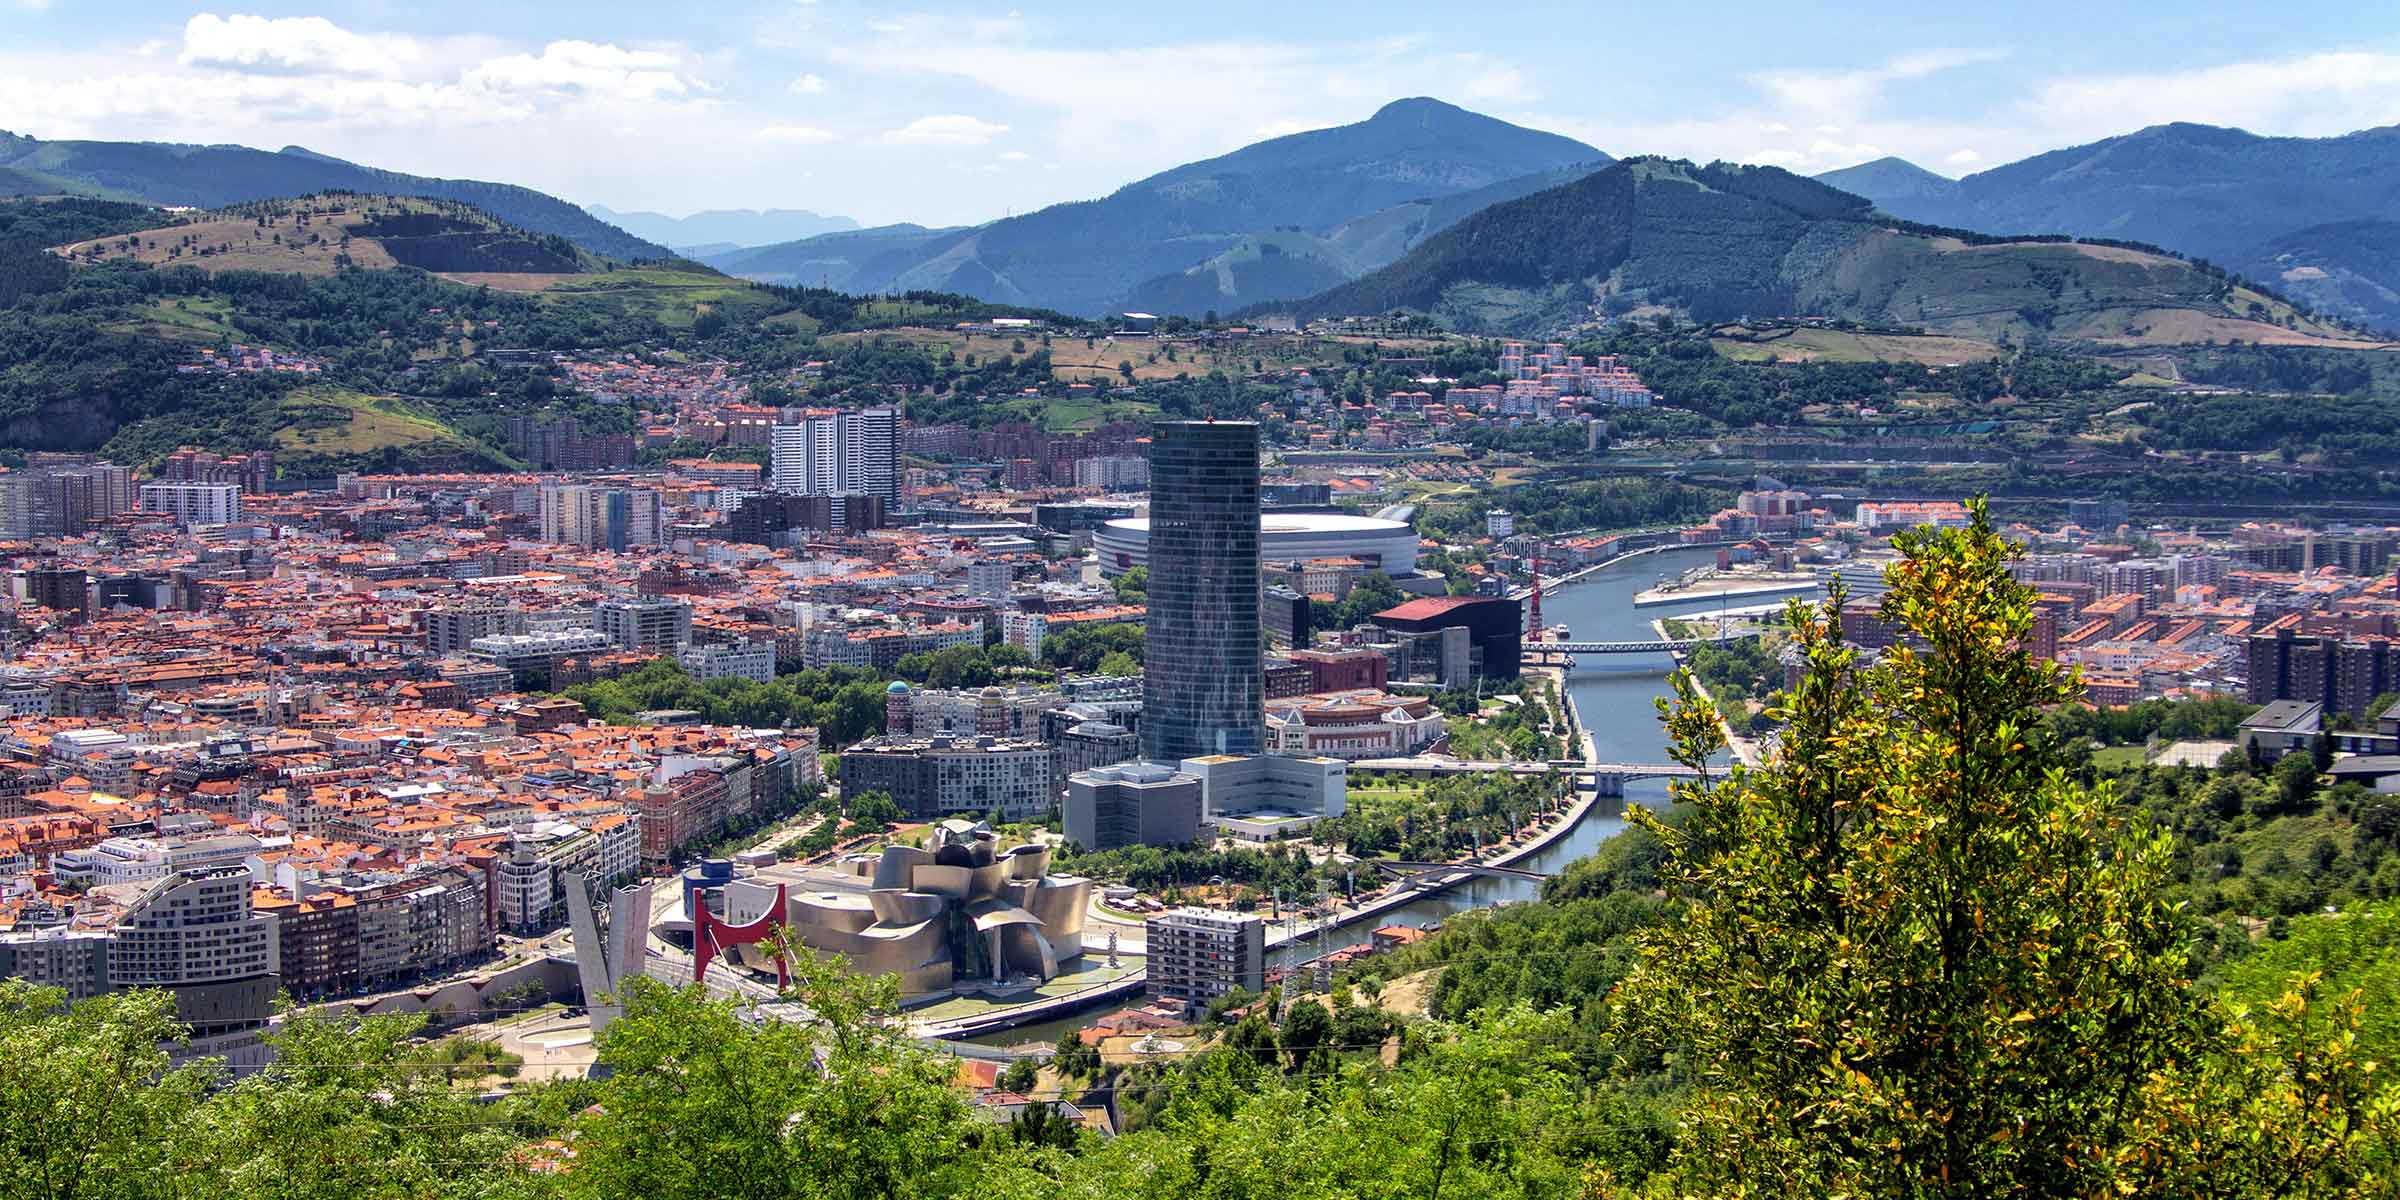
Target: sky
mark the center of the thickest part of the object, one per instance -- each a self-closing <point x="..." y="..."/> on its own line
<point x="954" y="113"/>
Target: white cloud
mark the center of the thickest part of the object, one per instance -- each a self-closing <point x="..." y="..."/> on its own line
<point x="579" y="68"/>
<point x="1840" y="94"/>
<point x="1962" y="158"/>
<point x="800" y="134"/>
<point x="1014" y="156"/>
<point x="809" y="85"/>
<point x="949" y="129"/>
<point x="290" y="46"/>
<point x="1119" y="113"/>
<point x="2311" y="95"/>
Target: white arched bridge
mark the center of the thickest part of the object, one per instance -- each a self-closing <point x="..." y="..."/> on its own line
<point x="1417" y="874"/>
<point x="1600" y="778"/>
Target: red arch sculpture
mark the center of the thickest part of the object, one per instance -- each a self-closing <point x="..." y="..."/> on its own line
<point x="712" y="935"/>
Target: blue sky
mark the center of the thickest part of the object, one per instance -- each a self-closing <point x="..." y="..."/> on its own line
<point x="944" y="113"/>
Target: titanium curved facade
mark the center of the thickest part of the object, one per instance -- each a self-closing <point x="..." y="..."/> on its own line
<point x="1203" y="691"/>
<point x="958" y="912"/>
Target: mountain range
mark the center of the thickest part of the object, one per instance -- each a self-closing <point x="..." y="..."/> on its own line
<point x="722" y="230"/>
<point x="175" y="175"/>
<point x="1279" y="218"/>
<point x="1309" y="214"/>
<point x="2312" y="217"/>
<point x="1721" y="241"/>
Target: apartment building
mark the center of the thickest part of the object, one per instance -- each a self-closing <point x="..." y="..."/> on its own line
<point x="934" y="776"/>
<point x="658" y="626"/>
<point x="1197" y="954"/>
<point x="194" y="503"/>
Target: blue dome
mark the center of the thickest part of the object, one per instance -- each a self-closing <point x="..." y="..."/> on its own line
<point x="899" y="688"/>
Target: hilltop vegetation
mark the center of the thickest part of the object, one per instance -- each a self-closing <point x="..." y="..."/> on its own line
<point x="220" y="176"/>
<point x="92" y="341"/>
<point x="317" y="235"/>
<point x="1719" y="242"/>
<point x="2309" y="215"/>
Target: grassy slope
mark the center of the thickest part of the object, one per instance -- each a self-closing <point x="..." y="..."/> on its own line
<point x="342" y="424"/>
<point x="1834" y="345"/>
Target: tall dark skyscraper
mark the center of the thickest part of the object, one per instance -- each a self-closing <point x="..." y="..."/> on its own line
<point x="1203" y="691"/>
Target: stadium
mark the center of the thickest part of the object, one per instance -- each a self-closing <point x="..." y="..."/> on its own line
<point x="1386" y="546"/>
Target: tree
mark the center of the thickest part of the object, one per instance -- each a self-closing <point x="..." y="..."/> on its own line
<point x="1019" y="1076"/>
<point x="1133" y="587"/>
<point x="1307" y="1037"/>
<point x="702" y="1103"/>
<point x="874" y="810"/>
<point x="88" y="1104"/>
<point x="1916" y="957"/>
<point x="2295" y="781"/>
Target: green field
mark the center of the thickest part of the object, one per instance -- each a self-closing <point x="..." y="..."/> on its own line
<point x="192" y="319"/>
<point x="345" y="425"/>
<point x="673" y="298"/>
<point x="1836" y="345"/>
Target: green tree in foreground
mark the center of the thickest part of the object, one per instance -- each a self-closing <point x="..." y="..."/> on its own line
<point x="1917" y="959"/>
<point x="702" y="1104"/>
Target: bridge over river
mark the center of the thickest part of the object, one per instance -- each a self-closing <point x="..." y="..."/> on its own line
<point x="1601" y="778"/>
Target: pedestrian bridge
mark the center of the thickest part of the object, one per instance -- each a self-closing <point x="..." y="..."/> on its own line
<point x="1604" y="779"/>
<point x="1438" y="869"/>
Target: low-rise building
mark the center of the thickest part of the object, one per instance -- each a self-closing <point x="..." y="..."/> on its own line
<point x="1132" y="804"/>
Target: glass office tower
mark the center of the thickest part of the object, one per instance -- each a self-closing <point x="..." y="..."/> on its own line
<point x="1203" y="691"/>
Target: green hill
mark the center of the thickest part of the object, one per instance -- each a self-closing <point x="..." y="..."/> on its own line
<point x="1719" y="242"/>
<point x="221" y="176"/>
<point x="2226" y="195"/>
<point x="1093" y="256"/>
<point x="1290" y="263"/>
<point x="321" y="234"/>
<point x="1889" y="181"/>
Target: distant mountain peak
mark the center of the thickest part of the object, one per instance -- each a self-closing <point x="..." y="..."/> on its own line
<point x="305" y="152"/>
<point x="1411" y="107"/>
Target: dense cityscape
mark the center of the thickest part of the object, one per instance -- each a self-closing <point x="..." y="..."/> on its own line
<point x="1407" y="655"/>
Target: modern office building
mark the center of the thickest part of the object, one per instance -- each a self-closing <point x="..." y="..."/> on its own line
<point x="1203" y="689"/>
<point x="1132" y="804"/>
<point x="194" y="503"/>
<point x="830" y="453"/>
<point x="1197" y="954"/>
<point x="1456" y="640"/>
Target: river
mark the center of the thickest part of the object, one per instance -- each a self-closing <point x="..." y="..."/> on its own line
<point x="1615" y="694"/>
